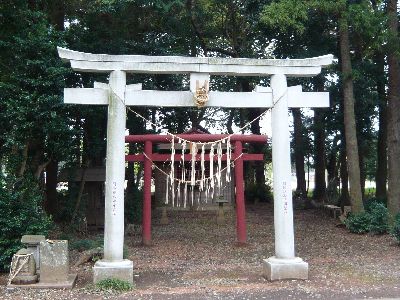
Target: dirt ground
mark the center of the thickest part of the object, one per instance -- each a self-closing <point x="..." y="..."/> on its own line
<point x="193" y="258"/>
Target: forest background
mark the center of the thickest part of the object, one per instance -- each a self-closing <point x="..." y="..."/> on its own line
<point x="354" y="140"/>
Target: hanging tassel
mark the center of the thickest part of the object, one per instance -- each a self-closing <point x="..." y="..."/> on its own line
<point x="192" y="191"/>
<point x="179" y="194"/>
<point x="183" y="161"/>
<point x="219" y="156"/>
<point x="166" y="192"/>
<point x="212" y="165"/>
<point x="193" y="170"/>
<point x="172" y="173"/>
<point x="185" y="195"/>
<point x="203" y="174"/>
<point x="207" y="187"/>
<point x="228" y="159"/>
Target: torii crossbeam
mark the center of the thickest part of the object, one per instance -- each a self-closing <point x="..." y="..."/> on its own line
<point x="116" y="94"/>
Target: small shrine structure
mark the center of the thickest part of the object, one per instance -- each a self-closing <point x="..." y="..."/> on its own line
<point x="148" y="157"/>
<point x="117" y="95"/>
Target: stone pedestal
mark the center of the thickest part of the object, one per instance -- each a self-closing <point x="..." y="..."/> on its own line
<point x="54" y="265"/>
<point x="54" y="262"/>
<point x="285" y="268"/>
<point x="122" y="270"/>
<point x="24" y="261"/>
<point x="32" y="243"/>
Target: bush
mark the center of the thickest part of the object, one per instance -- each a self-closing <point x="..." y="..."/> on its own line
<point x="256" y="191"/>
<point x="373" y="220"/>
<point x="133" y="206"/>
<point x="395" y="230"/>
<point x="378" y="218"/>
<point x="86" y="244"/>
<point x="22" y="214"/>
<point x="114" y="285"/>
<point x="372" y="201"/>
<point x="357" y="223"/>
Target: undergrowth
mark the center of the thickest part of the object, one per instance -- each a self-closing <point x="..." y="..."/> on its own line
<point x="113" y="284"/>
<point x="374" y="219"/>
<point x="395" y="230"/>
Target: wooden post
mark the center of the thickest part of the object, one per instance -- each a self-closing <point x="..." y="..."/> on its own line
<point x="240" y="206"/>
<point x="146" y="222"/>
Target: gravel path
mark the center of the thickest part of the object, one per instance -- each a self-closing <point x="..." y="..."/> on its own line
<point x="193" y="258"/>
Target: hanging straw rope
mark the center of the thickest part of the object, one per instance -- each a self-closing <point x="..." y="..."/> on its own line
<point x="22" y="260"/>
<point x="201" y="97"/>
<point x="201" y="143"/>
<point x="189" y="181"/>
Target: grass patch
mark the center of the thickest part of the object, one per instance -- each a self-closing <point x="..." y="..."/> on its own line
<point x="113" y="284"/>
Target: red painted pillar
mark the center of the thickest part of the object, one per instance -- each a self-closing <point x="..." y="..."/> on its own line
<point x="146" y="217"/>
<point x="240" y="207"/>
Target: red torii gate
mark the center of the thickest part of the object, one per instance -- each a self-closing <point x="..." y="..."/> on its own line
<point x="149" y="156"/>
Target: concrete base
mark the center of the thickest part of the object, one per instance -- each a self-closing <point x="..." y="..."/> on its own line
<point x="280" y="268"/>
<point x="69" y="284"/>
<point x="120" y="270"/>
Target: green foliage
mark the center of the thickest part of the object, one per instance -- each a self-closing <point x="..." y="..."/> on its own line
<point x="256" y="192"/>
<point x="357" y="223"/>
<point x="378" y="218"/>
<point x="374" y="220"/>
<point x="91" y="243"/>
<point x="370" y="203"/>
<point x="289" y="14"/>
<point x="395" y="230"/>
<point x="22" y="214"/>
<point x="86" y="244"/>
<point x="134" y="206"/>
<point x="113" y="284"/>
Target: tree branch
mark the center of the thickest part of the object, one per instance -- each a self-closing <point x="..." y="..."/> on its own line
<point x="200" y="34"/>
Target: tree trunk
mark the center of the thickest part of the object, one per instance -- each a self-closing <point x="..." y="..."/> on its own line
<point x="255" y="128"/>
<point x="353" y="165"/>
<point x="319" y="193"/>
<point x="393" y="142"/>
<point x="363" y="174"/>
<point x="57" y="14"/>
<point x="51" y="204"/>
<point x="332" y="160"/>
<point x="299" y="151"/>
<point x="257" y="148"/>
<point x="229" y="124"/>
<point x="344" y="178"/>
<point x="381" y="169"/>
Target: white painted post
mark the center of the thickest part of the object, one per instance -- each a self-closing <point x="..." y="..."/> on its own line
<point x="113" y="265"/>
<point x="284" y="265"/>
<point x="283" y="212"/>
<point x="115" y="170"/>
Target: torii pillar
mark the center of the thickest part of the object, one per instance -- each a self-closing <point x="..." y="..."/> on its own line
<point x="284" y="265"/>
<point x="113" y="265"/>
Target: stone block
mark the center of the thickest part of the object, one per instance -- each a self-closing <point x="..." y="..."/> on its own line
<point x="24" y="262"/>
<point x="54" y="261"/>
<point x="32" y="243"/>
<point x="279" y="269"/>
<point x="32" y="240"/>
<point x="122" y="270"/>
<point x="69" y="284"/>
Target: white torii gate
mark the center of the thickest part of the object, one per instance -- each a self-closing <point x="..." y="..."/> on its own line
<point x="284" y="265"/>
